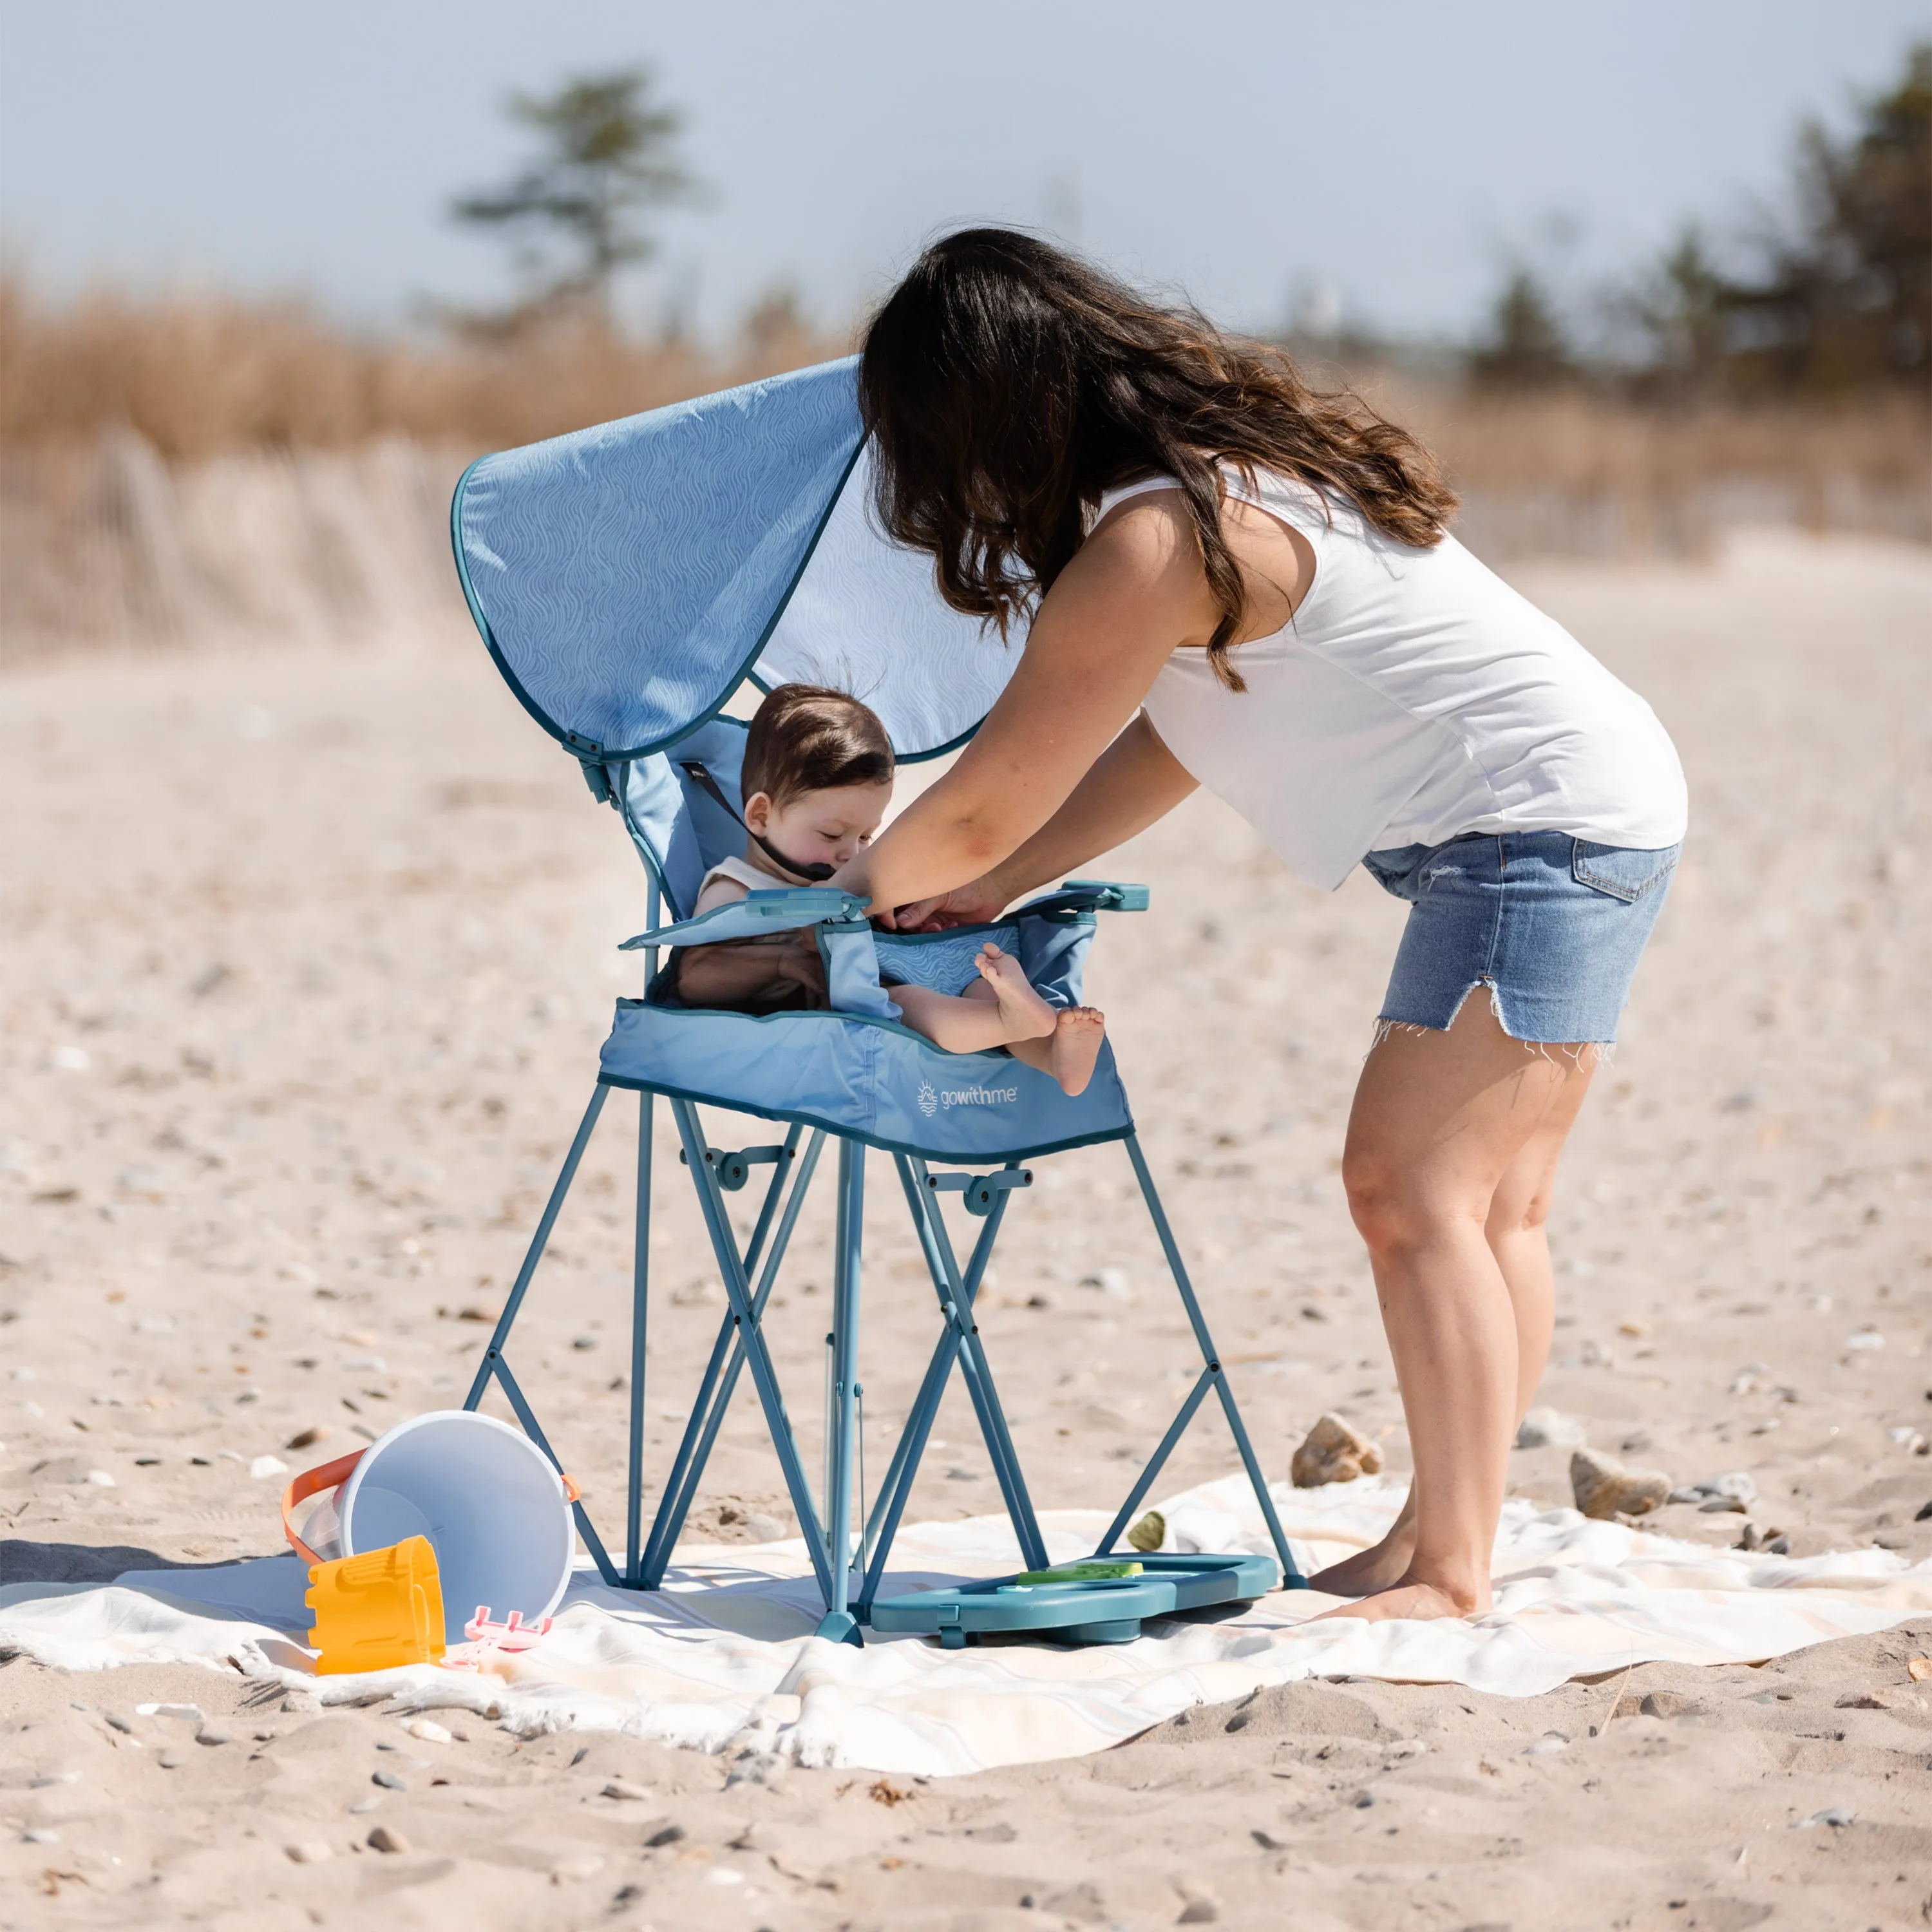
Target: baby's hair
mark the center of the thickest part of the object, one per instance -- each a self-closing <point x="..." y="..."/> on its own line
<point x="807" y="738"/>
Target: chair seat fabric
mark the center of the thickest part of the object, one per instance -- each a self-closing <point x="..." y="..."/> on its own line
<point x="857" y="1071"/>
<point x="870" y="1080"/>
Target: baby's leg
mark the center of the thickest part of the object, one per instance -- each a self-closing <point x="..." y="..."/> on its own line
<point x="1069" y="1051"/>
<point x="1000" y="1009"/>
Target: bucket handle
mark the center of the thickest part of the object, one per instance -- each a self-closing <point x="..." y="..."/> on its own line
<point x="311" y="1483"/>
<point x="332" y="1475"/>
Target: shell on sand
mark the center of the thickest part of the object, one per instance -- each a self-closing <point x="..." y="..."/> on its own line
<point x="1332" y="1452"/>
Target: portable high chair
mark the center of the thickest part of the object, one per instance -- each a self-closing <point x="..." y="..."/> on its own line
<point x="629" y="580"/>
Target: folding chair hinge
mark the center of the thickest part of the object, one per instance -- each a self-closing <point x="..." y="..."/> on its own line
<point x="733" y="1170"/>
<point x="590" y="756"/>
<point x="981" y="1190"/>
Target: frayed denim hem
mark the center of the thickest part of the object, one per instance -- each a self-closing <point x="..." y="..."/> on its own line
<point x="1602" y="1052"/>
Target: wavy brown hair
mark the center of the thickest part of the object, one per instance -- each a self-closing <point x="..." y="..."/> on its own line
<point x="1007" y="385"/>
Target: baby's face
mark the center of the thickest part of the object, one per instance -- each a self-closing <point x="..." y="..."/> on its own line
<point x="825" y="828"/>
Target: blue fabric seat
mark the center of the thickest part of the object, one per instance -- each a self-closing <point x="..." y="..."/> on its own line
<point x="630" y="581"/>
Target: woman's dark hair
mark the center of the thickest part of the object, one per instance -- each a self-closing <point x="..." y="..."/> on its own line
<point x="1007" y="385"/>
<point x="806" y="737"/>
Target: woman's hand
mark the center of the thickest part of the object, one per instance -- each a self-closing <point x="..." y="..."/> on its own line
<point x="977" y="903"/>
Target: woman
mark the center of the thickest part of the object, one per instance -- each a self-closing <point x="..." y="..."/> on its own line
<point x="1237" y="582"/>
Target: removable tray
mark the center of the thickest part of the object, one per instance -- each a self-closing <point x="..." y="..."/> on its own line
<point x="1108" y="1610"/>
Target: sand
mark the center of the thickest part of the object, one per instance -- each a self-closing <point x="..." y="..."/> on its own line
<point x="307" y="957"/>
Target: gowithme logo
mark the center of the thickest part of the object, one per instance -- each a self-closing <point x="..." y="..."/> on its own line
<point x="970" y="1096"/>
<point x="931" y="1098"/>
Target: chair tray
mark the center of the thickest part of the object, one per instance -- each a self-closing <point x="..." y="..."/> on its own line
<point x="1108" y="1610"/>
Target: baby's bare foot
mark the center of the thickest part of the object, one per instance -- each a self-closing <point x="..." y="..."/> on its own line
<point x="1024" y="1013"/>
<point x="1078" y="1032"/>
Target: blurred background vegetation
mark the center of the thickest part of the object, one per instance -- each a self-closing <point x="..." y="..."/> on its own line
<point x="156" y="452"/>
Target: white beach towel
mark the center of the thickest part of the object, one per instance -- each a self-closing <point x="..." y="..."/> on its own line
<point x="723" y="1659"/>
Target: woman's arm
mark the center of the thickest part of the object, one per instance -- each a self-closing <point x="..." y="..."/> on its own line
<point x="1134" y="593"/>
<point x="1136" y="780"/>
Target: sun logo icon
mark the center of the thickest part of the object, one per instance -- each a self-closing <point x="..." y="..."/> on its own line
<point x="928" y="1098"/>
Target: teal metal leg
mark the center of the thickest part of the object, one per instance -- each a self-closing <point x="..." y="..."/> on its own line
<point x="1214" y="1375"/>
<point x="904" y="1464"/>
<point x="640" y="1284"/>
<point x="533" y="1430"/>
<point x="493" y="1354"/>
<point x="721" y="1371"/>
<point x="956" y="1306"/>
<point x="841" y="1423"/>
<point x="1176" y="1430"/>
<point x="764" y="1377"/>
<point x="897" y="1488"/>
<point x="495" y="1365"/>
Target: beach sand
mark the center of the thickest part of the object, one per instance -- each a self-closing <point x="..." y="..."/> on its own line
<point x="307" y="957"/>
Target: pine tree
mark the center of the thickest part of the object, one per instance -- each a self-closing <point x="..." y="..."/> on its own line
<point x="576" y="212"/>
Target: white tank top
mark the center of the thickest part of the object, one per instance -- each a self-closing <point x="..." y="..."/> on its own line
<point x="748" y="873"/>
<point x="1413" y="697"/>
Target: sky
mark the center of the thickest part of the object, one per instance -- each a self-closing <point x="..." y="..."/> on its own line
<point x="1383" y="161"/>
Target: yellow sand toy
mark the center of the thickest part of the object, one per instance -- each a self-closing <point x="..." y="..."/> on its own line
<point x="375" y="1612"/>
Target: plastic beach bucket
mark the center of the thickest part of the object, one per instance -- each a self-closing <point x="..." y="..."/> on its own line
<point x="493" y="1507"/>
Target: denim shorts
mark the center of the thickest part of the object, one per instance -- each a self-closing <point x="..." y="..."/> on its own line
<point x="1552" y="924"/>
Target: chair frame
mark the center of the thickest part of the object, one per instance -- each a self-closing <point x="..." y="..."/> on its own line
<point x="748" y="1274"/>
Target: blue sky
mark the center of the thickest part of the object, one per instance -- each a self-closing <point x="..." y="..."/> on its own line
<point x="1395" y="153"/>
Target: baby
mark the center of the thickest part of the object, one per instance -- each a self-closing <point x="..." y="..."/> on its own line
<point x="817" y="779"/>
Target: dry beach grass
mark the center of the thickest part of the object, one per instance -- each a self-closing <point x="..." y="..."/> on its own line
<point x="308" y="955"/>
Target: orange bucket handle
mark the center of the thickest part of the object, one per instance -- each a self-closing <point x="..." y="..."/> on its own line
<point x="312" y="1483"/>
<point x="331" y="1475"/>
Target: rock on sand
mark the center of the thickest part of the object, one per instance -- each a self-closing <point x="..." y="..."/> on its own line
<point x="1605" y="1488"/>
<point x="1334" y="1452"/>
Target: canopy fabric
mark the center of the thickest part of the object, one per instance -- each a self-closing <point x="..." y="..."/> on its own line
<point x="866" y="617"/>
<point x="628" y="578"/>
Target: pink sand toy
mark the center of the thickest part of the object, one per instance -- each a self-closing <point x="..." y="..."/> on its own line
<point x="514" y="1635"/>
<point x="489" y="1639"/>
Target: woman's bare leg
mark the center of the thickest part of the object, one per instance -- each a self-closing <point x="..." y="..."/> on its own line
<point x="1440" y="1120"/>
<point x="1515" y="1230"/>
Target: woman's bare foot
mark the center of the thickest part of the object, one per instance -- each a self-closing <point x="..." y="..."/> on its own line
<point x="1380" y="1566"/>
<point x="1422" y="1602"/>
<point x="1078" y="1032"/>
<point x="1023" y="1012"/>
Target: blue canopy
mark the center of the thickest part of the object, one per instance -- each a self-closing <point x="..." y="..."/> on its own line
<point x="629" y="577"/>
